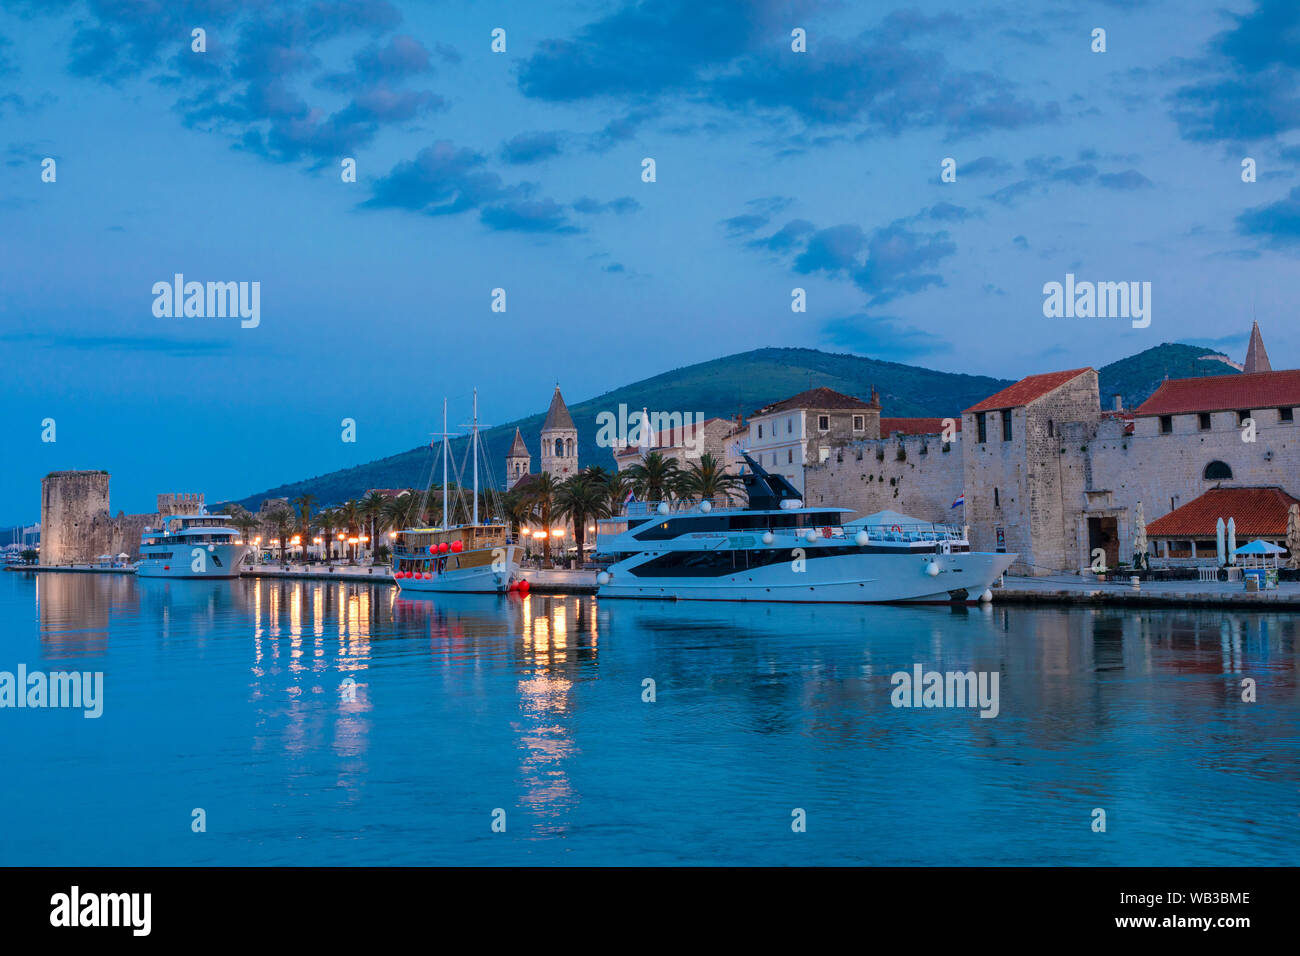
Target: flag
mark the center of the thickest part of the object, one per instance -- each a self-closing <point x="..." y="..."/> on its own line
<point x="959" y="500"/>
<point x="631" y="496"/>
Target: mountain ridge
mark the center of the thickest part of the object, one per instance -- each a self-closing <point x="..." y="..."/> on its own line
<point x="743" y="382"/>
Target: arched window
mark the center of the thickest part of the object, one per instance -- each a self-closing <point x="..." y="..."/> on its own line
<point x="568" y="447"/>
<point x="1217" y="471"/>
<point x="559" y="448"/>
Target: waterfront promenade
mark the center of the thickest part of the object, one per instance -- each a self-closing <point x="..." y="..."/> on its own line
<point x="1075" y="589"/>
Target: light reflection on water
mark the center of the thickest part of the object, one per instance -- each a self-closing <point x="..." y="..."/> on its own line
<point x="229" y="696"/>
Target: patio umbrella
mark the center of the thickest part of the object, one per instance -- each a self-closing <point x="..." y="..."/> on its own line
<point x="1293" y="535"/>
<point x="1232" y="539"/>
<point x="1260" y="546"/>
<point x="1220" y="539"/>
<point x="1139" y="537"/>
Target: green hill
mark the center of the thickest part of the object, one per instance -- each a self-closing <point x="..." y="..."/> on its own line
<point x="1137" y="376"/>
<point x="720" y="387"/>
<point x="743" y="383"/>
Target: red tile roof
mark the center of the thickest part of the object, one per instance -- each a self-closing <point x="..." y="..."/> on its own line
<point x="914" y="426"/>
<point x="816" y="398"/>
<point x="673" y="438"/>
<point x="1027" y="390"/>
<point x="1221" y="393"/>
<point x="1258" y="512"/>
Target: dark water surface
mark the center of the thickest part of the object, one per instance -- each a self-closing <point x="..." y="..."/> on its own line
<point x="232" y="697"/>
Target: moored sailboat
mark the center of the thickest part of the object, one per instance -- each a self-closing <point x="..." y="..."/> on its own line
<point x="475" y="557"/>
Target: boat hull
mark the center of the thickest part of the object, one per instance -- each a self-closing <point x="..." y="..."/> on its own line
<point x="848" y="579"/>
<point x="198" y="561"/>
<point x="471" y="572"/>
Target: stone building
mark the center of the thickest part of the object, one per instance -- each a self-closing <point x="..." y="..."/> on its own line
<point x="519" y="462"/>
<point x="1046" y="473"/>
<point x="559" y="457"/>
<point x="787" y="436"/>
<point x="686" y="445"/>
<point x="77" y="526"/>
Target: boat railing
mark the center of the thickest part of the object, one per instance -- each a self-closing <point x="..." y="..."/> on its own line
<point x="644" y="509"/>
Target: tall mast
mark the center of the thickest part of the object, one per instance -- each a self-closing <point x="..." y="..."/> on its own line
<point x="474" y="452"/>
<point x="444" y="461"/>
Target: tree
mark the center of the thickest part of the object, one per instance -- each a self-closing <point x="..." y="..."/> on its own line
<point x="349" y="517"/>
<point x="29" y="555"/>
<point x="245" y="521"/>
<point x="281" y="518"/>
<point x="540" y="493"/>
<point x="654" y="477"/>
<point x="581" y="499"/>
<point x="706" y="478"/>
<point x="617" y="488"/>
<point x="327" y="520"/>
<point x="372" y="506"/>
<point x="303" y="503"/>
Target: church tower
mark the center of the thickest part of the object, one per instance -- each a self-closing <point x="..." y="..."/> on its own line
<point x="1256" y="356"/>
<point x="518" y="462"/>
<point x="559" y="440"/>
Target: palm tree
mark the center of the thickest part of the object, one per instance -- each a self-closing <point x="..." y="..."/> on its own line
<point x="396" y="512"/>
<point x="654" y="477"/>
<point x="581" y="499"/>
<point x="617" y="488"/>
<point x="349" y="517"/>
<point x="372" y="506"/>
<point x="706" y="478"/>
<point x="245" y="521"/>
<point x="327" y="519"/>
<point x="303" y="503"/>
<point x="541" y="501"/>
<point x="281" y="517"/>
<point x="596" y="473"/>
<point x="518" y="510"/>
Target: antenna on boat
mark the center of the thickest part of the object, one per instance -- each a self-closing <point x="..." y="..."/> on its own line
<point x="475" y="453"/>
<point x="444" y="461"/>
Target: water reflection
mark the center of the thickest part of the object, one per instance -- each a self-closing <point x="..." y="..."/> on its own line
<point x="355" y="690"/>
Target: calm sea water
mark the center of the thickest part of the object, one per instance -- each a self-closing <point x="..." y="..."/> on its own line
<point x="230" y="697"/>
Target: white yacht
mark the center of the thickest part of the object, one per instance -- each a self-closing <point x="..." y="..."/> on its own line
<point x="469" y="558"/>
<point x="775" y="549"/>
<point x="191" y="546"/>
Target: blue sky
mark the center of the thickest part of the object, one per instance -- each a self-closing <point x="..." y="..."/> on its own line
<point x="522" y="170"/>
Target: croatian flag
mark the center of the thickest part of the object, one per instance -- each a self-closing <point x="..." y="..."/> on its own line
<point x="959" y="500"/>
<point x="631" y="495"/>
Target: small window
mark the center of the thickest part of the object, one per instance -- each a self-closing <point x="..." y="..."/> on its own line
<point x="1006" y="425"/>
<point x="823" y="423"/>
<point x="1217" y="471"/>
<point x="1242" y="416"/>
<point x="1166" y="424"/>
<point x="1286" y="414"/>
<point x="858" y="423"/>
<point x="981" y="426"/>
<point x="789" y="426"/>
<point x="760" y="431"/>
<point x="789" y="456"/>
<point x="1205" y="421"/>
<point x="1051" y="429"/>
<point x="997" y="503"/>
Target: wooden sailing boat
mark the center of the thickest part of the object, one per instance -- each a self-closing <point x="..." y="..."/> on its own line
<point x="468" y="558"/>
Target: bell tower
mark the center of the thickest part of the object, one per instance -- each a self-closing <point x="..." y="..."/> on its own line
<point x="518" y="462"/>
<point x="559" y="440"/>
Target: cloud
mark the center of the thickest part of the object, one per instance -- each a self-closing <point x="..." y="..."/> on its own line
<point x="880" y="337"/>
<point x="786" y="238"/>
<point x="735" y="56"/>
<point x="441" y="180"/>
<point x="528" y="215"/>
<point x="527" y="148"/>
<point x="1251" y="84"/>
<point x="1277" y="223"/>
<point x="983" y="166"/>
<point x="947" y="212"/>
<point x="161" y="344"/>
<point x="1129" y="179"/>
<point x="620" y="206"/>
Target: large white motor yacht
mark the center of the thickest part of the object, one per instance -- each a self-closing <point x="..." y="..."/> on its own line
<point x="192" y="546"/>
<point x="775" y="549"/>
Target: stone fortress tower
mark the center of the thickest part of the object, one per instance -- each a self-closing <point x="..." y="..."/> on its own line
<point x="518" y="462"/>
<point x="77" y="526"/>
<point x="559" y="440"/>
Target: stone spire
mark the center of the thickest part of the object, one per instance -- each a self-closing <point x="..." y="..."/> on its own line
<point x="518" y="462"/>
<point x="1256" y="356"/>
<point x="559" y="456"/>
<point x="557" y="416"/>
